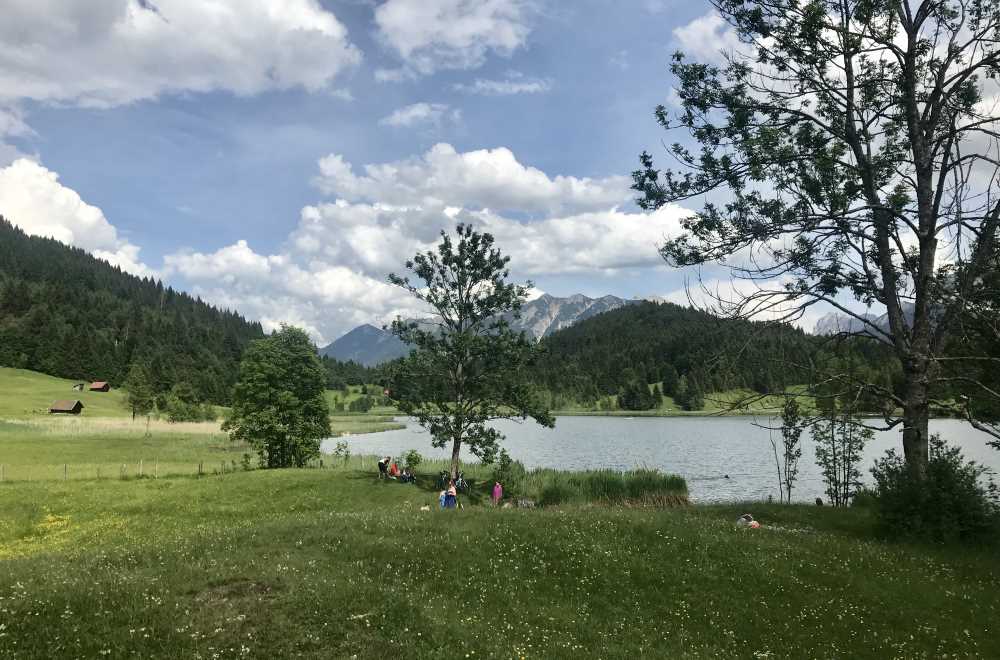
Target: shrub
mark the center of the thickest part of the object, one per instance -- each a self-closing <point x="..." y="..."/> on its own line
<point x="509" y="472"/>
<point x="362" y="404"/>
<point x="864" y="498"/>
<point x="342" y="451"/>
<point x="556" y="493"/>
<point x="412" y="459"/>
<point x="956" y="501"/>
<point x="840" y="439"/>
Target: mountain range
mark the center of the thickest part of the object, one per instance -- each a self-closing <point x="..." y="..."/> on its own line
<point x="839" y="323"/>
<point x="540" y="317"/>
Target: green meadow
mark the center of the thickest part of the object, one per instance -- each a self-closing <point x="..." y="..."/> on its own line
<point x="331" y="562"/>
<point x="26" y="394"/>
<point x="334" y="563"/>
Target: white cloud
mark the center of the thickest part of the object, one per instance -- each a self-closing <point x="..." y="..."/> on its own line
<point x="11" y="125"/>
<point x="513" y="83"/>
<point x="393" y="75"/>
<point x="452" y="34"/>
<point x="323" y="298"/>
<point x="331" y="273"/>
<point x="33" y="199"/>
<point x="759" y="300"/>
<point x="421" y="113"/>
<point x="485" y="178"/>
<point x="706" y="38"/>
<point x="119" y="51"/>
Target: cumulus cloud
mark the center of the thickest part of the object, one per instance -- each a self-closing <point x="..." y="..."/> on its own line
<point x="119" y="51"/>
<point x="706" y="38"/>
<point x="324" y="298"/>
<point x="513" y="83"/>
<point x="433" y="114"/>
<point x="451" y="34"/>
<point x="33" y="199"/>
<point x="485" y="178"/>
<point x="330" y="274"/>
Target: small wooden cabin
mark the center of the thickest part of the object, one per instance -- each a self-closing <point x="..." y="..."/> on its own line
<point x="67" y="407"/>
<point x="100" y="386"/>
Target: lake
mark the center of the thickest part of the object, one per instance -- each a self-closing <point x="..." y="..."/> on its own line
<point x="701" y="449"/>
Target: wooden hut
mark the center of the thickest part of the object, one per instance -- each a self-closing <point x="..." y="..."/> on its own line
<point x="67" y="407"/>
<point x="100" y="386"/>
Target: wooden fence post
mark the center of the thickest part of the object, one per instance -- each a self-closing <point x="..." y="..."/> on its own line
<point x="140" y="468"/>
<point x="124" y="471"/>
<point x="65" y="471"/>
<point x="156" y="464"/>
<point x="1" y="471"/>
<point x="199" y="468"/>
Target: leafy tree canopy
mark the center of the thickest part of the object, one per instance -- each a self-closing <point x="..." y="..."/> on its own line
<point x="847" y="151"/>
<point x="469" y="368"/>
<point x="279" y="407"/>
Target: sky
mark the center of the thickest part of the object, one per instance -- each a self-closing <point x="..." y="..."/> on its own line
<point x="281" y="157"/>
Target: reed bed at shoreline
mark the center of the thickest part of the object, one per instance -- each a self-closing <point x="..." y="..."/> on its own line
<point x="543" y="486"/>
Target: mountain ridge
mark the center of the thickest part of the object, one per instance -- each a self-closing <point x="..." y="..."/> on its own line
<point x="540" y="317"/>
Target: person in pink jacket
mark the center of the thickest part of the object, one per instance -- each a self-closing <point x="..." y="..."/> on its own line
<point x="497" y="493"/>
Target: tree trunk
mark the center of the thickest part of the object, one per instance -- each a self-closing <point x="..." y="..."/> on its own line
<point x="777" y="465"/>
<point x="456" y="449"/>
<point x="916" y="416"/>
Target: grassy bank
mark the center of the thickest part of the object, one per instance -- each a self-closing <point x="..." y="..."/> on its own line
<point x="91" y="448"/>
<point x="332" y="563"/>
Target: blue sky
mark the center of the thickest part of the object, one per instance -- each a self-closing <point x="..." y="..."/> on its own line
<point x="225" y="150"/>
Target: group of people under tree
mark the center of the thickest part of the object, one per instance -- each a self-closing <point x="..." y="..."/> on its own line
<point x="389" y="469"/>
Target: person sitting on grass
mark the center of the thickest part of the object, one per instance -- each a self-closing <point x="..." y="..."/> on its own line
<point x="394" y="470"/>
<point x="443" y="498"/>
<point x="407" y="476"/>
<point x="383" y="467"/>
<point x="451" y="496"/>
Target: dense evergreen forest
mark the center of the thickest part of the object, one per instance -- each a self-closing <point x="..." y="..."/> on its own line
<point x="66" y="313"/>
<point x="339" y="374"/>
<point x="691" y="354"/>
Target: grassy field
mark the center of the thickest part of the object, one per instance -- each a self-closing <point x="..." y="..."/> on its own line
<point x="85" y="448"/>
<point x="335" y="563"/>
<point x="26" y="394"/>
<point x="332" y="563"/>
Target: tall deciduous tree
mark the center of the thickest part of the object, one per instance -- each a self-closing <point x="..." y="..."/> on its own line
<point x="469" y="368"/>
<point x="279" y="406"/>
<point x="849" y="150"/>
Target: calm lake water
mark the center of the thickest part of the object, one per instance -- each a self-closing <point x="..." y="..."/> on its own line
<point x="701" y="449"/>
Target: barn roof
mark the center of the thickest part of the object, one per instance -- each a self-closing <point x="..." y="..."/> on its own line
<point x="99" y="383"/>
<point x="65" y="405"/>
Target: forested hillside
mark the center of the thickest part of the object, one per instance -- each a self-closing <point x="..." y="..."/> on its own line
<point x="65" y="313"/>
<point x="690" y="352"/>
